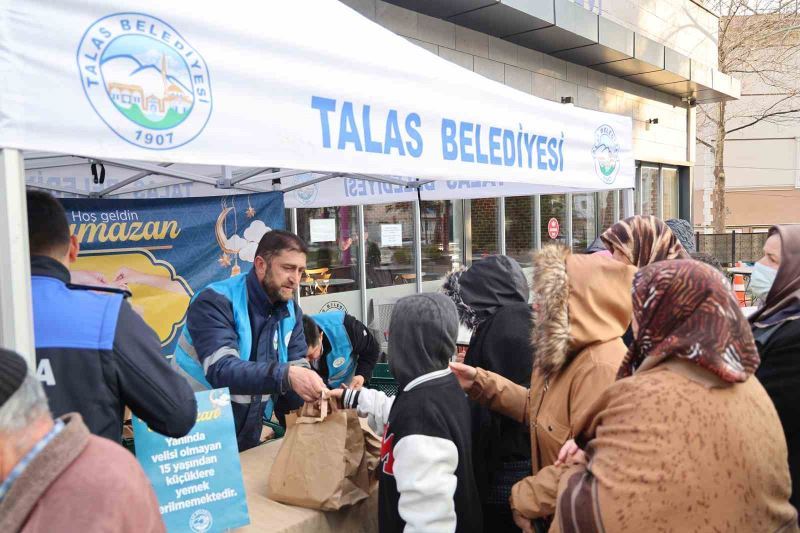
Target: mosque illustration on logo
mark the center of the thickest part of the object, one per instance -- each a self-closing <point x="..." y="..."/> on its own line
<point x="149" y="94"/>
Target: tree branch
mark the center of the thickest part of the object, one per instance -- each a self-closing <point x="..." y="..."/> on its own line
<point x="762" y="118"/>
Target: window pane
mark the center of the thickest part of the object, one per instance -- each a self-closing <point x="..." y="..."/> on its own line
<point x="605" y="210"/>
<point x="332" y="263"/>
<point x="554" y="207"/>
<point x="649" y="191"/>
<point x="669" y="177"/>
<point x="389" y="232"/>
<point x="519" y="228"/>
<point x="484" y="227"/>
<point x="583" y="222"/>
<point x="442" y="238"/>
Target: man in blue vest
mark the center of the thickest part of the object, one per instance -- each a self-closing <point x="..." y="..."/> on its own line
<point x="94" y="354"/>
<point x="246" y="333"/>
<point x="340" y="348"/>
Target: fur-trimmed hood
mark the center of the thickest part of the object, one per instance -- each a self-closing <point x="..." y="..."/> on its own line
<point x="579" y="300"/>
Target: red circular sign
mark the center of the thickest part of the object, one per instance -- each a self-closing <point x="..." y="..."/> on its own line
<point x="553" y="228"/>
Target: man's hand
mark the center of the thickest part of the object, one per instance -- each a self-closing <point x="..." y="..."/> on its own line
<point x="465" y="374"/>
<point x="306" y="383"/>
<point x="523" y="523"/>
<point x="357" y="382"/>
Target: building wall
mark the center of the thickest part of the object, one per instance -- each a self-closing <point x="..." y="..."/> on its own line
<point x="682" y="25"/>
<point x="551" y="78"/>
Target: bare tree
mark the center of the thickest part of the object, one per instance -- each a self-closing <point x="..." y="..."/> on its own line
<point x="759" y="43"/>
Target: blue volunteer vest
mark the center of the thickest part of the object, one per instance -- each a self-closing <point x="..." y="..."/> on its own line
<point x="341" y="364"/>
<point x="235" y="290"/>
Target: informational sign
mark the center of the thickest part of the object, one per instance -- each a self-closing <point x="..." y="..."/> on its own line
<point x="165" y="250"/>
<point x="553" y="228"/>
<point x="323" y="229"/>
<point x="197" y="478"/>
<point x="391" y="235"/>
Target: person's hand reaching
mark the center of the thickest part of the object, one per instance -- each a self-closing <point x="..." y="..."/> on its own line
<point x="465" y="374"/>
<point x="306" y="383"/>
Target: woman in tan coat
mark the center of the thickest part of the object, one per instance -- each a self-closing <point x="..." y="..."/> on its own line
<point x="687" y="440"/>
<point x="582" y="306"/>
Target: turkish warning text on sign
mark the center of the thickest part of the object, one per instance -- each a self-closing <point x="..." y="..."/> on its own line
<point x="197" y="478"/>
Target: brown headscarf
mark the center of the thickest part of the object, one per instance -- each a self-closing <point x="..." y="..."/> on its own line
<point x="684" y="309"/>
<point x="783" y="299"/>
<point x="643" y="240"/>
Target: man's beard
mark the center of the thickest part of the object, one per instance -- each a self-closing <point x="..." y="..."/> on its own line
<point x="273" y="291"/>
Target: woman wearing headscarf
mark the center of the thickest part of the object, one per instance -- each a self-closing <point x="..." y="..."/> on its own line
<point x="582" y="306"/>
<point x="776" y="328"/>
<point x="685" y="440"/>
<point x="683" y="230"/>
<point x="492" y="300"/>
<point x="642" y="240"/>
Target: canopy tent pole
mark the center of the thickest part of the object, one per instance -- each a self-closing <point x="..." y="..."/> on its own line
<point x="259" y="178"/>
<point x="418" y="244"/>
<point x="171" y="173"/>
<point x="501" y="227"/>
<point x="16" y="309"/>
<point x="128" y="181"/>
<point x="362" y="263"/>
<point x="324" y="177"/>
<point x="627" y="203"/>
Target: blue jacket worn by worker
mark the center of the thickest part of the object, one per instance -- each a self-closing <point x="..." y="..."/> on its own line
<point x="235" y="337"/>
<point x="340" y="362"/>
<point x="95" y="355"/>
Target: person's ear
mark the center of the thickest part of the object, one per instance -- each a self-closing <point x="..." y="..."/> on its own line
<point x="74" y="249"/>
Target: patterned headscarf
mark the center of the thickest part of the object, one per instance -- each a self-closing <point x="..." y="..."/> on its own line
<point x="684" y="309"/>
<point x="684" y="231"/>
<point x="643" y="240"/>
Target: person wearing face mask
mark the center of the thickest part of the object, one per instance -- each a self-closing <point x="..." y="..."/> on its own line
<point x="776" y="328"/>
<point x="765" y="270"/>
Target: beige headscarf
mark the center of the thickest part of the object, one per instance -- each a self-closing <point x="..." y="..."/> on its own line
<point x="643" y="240"/>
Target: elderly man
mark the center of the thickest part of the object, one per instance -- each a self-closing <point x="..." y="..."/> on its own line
<point x="55" y="475"/>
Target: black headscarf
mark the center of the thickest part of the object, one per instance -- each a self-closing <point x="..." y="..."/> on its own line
<point x="485" y="287"/>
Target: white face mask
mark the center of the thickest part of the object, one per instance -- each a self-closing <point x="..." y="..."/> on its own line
<point x="761" y="280"/>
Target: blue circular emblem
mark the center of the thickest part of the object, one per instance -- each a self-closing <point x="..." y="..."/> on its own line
<point x="605" y="152"/>
<point x="306" y="195"/>
<point x="200" y="521"/>
<point x="144" y="80"/>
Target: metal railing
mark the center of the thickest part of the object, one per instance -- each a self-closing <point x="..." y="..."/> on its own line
<point x="729" y="248"/>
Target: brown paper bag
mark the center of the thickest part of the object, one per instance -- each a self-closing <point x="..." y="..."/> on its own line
<point x="322" y="463"/>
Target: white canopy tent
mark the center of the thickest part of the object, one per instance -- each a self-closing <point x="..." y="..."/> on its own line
<point x="241" y="97"/>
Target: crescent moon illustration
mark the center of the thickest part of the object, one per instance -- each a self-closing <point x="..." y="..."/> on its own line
<point x="222" y="239"/>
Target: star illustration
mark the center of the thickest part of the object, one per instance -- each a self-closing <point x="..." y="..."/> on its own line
<point x="250" y="212"/>
<point x="224" y="260"/>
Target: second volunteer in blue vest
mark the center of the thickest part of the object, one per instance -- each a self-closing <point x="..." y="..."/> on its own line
<point x="340" y="348"/>
<point x="246" y="333"/>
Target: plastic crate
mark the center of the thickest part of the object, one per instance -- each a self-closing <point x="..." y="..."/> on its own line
<point x="383" y="380"/>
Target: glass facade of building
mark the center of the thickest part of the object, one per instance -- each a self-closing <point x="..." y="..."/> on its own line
<point x="412" y="246"/>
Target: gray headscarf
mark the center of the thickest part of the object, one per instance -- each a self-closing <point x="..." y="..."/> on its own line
<point x="422" y="336"/>
<point x="485" y="287"/>
<point x="684" y="232"/>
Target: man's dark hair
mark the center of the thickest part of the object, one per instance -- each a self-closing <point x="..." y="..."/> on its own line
<point x="311" y="330"/>
<point x="48" y="230"/>
<point x="278" y="240"/>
